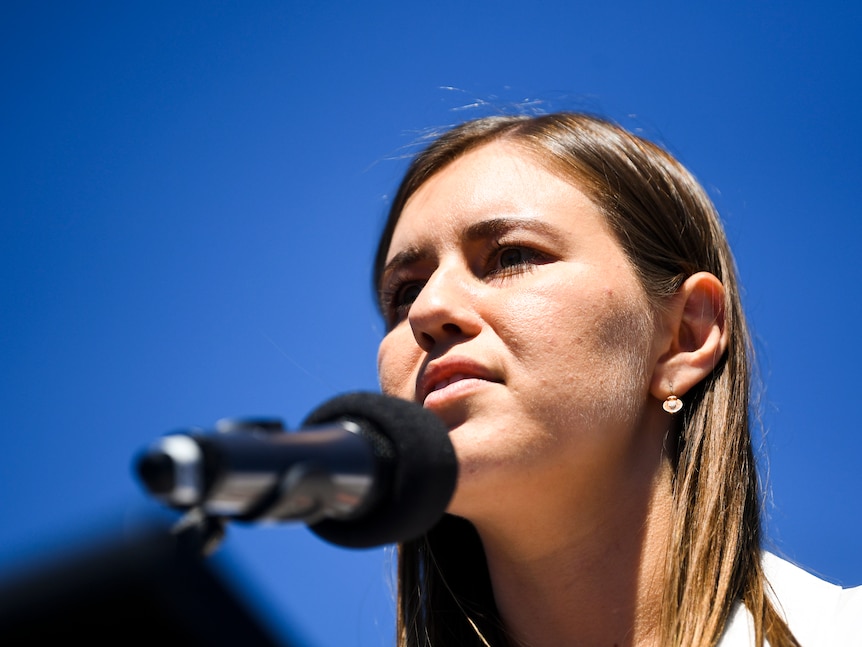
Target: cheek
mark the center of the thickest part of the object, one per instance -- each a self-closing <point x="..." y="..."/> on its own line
<point x="397" y="359"/>
<point x="576" y="329"/>
<point x="581" y="359"/>
<point x="543" y="320"/>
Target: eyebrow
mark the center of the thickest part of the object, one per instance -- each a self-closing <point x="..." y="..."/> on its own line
<point x="482" y="230"/>
<point x="498" y="226"/>
<point x="404" y="258"/>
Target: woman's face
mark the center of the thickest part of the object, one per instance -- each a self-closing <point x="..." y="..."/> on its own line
<point x="516" y="317"/>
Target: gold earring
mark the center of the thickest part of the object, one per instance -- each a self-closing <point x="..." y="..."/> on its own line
<point x="672" y="404"/>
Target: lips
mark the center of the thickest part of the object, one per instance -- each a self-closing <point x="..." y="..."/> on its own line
<point x="452" y="376"/>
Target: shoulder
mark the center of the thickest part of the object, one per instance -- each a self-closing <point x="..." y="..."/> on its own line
<point x="819" y="613"/>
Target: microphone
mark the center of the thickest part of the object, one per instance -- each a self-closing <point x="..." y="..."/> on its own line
<point x="364" y="470"/>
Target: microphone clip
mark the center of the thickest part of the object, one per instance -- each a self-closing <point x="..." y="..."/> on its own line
<point x="198" y="533"/>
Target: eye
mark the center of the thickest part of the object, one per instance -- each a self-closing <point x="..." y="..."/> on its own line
<point x="512" y="256"/>
<point x="396" y="301"/>
<point x="407" y="294"/>
<point x="514" y="259"/>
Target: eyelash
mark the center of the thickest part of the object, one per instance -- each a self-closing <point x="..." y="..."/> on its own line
<point x="526" y="261"/>
<point x="396" y="309"/>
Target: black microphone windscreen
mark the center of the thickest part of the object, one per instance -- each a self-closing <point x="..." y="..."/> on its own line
<point x="422" y="478"/>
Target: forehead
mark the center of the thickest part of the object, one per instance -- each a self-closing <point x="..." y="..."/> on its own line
<point x="496" y="180"/>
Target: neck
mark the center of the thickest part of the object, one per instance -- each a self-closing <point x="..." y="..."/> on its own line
<point x="590" y="579"/>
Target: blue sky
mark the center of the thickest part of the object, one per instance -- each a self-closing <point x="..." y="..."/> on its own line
<point x="190" y="194"/>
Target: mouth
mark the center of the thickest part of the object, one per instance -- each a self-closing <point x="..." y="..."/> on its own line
<point x="443" y="381"/>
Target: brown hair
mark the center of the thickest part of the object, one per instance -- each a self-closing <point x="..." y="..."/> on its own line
<point x="669" y="229"/>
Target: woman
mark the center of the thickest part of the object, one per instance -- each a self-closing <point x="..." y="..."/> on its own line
<point x="561" y="293"/>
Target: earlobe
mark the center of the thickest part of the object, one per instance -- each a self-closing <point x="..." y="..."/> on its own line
<point x="698" y="336"/>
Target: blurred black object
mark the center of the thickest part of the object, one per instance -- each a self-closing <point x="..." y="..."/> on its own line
<point x="153" y="588"/>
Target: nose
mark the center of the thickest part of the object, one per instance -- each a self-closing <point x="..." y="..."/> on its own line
<point x="444" y="311"/>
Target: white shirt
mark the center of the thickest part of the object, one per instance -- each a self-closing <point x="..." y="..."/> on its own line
<point x="818" y="613"/>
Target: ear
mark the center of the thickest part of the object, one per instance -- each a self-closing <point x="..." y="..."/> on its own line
<point x="697" y="336"/>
